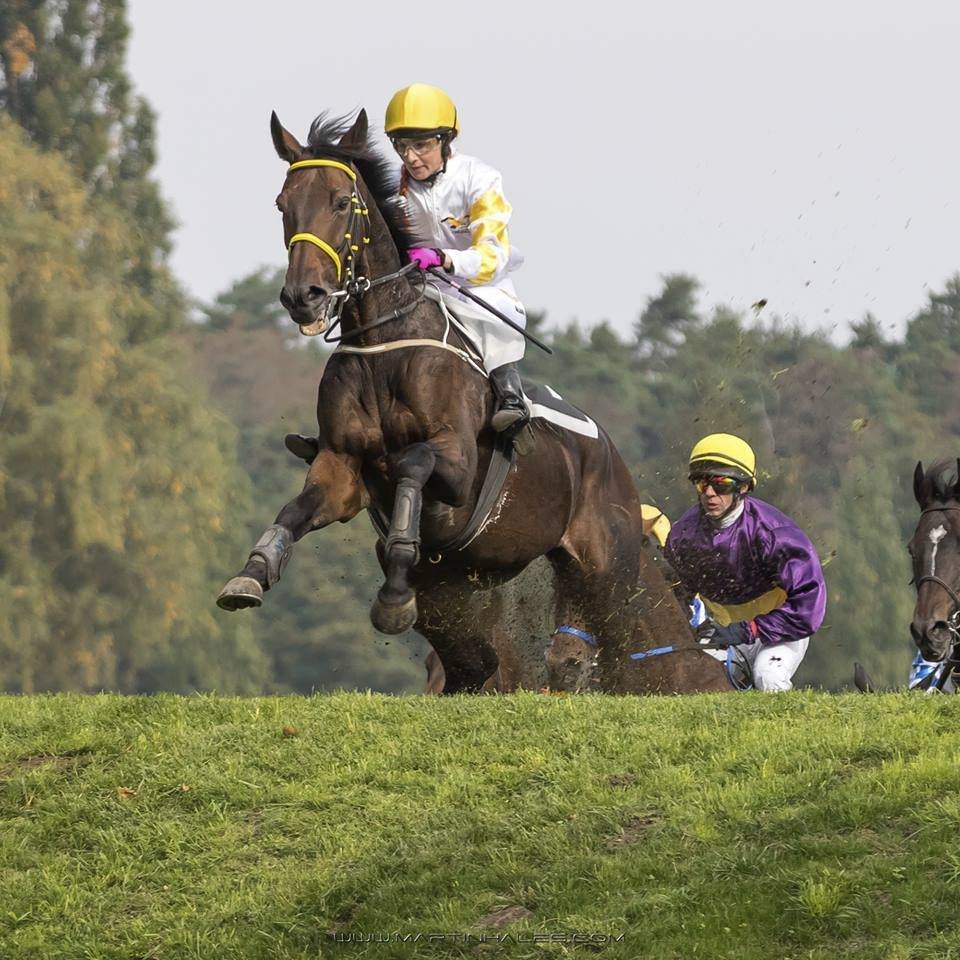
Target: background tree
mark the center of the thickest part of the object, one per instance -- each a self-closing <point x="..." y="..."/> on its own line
<point x="117" y="487"/>
<point x="64" y="81"/>
<point x="929" y="360"/>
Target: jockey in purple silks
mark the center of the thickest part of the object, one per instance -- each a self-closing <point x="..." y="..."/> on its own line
<point x="757" y="572"/>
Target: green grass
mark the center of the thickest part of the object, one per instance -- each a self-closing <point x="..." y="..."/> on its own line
<point x="744" y="826"/>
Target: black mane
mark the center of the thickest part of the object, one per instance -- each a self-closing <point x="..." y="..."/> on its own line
<point x="378" y="174"/>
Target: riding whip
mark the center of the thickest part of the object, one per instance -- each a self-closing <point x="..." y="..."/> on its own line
<point x="440" y="275"/>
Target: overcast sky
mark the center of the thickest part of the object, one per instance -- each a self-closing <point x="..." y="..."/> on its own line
<point x="806" y="153"/>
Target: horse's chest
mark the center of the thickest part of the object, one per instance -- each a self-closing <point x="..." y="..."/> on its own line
<point x="349" y="428"/>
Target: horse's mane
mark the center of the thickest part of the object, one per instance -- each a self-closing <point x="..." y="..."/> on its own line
<point x="377" y="172"/>
<point x="942" y="477"/>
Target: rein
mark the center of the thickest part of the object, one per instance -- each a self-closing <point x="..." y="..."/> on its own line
<point x="729" y="662"/>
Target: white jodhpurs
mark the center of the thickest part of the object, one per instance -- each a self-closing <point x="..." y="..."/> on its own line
<point x="497" y="342"/>
<point x="775" y="664"/>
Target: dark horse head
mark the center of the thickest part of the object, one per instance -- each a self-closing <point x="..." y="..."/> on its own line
<point x="338" y="202"/>
<point x="935" y="553"/>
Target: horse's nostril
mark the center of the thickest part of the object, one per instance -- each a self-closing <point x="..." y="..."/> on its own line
<point x="916" y="633"/>
<point x="314" y="292"/>
<point x="286" y="300"/>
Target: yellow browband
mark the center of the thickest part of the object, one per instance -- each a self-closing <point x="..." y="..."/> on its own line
<point x="311" y="238"/>
<point x="301" y="164"/>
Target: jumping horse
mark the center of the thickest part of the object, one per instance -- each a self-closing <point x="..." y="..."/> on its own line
<point x="403" y="413"/>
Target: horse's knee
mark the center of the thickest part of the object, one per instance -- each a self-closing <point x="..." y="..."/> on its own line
<point x="333" y="491"/>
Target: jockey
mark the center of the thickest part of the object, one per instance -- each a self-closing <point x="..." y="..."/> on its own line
<point x="656" y="524"/>
<point x="757" y="572"/>
<point x="456" y="206"/>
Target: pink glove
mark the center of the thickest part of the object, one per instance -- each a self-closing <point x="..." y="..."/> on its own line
<point x="425" y="257"/>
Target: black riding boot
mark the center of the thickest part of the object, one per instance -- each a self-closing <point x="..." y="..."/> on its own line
<point x="511" y="410"/>
<point x="306" y="448"/>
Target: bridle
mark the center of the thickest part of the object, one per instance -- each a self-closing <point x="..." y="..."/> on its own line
<point x="953" y="621"/>
<point x="355" y="238"/>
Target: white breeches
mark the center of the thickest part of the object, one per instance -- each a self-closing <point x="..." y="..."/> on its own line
<point x="497" y="342"/>
<point x="773" y="665"/>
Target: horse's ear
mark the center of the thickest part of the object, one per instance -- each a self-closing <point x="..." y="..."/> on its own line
<point x="356" y="137"/>
<point x="918" y="484"/>
<point x="286" y="144"/>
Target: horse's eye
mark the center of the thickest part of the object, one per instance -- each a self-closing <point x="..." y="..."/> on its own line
<point x="342" y="204"/>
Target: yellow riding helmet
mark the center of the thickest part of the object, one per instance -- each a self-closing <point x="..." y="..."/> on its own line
<point x="727" y="452"/>
<point x="420" y="107"/>
<point x="655" y="521"/>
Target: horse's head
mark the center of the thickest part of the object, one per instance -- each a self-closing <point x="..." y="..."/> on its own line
<point x="935" y="553"/>
<point x="571" y="663"/>
<point x="325" y="222"/>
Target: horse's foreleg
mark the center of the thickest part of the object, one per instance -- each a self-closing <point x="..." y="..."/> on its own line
<point x="395" y="608"/>
<point x="332" y="491"/>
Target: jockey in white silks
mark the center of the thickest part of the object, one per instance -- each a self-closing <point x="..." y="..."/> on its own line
<point x="457" y="209"/>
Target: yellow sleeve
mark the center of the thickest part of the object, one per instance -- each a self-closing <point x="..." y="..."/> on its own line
<point x="485" y="261"/>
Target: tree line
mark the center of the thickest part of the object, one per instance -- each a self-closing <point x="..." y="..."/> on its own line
<point x="141" y="453"/>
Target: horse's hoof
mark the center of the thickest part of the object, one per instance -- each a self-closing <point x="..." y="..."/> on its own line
<point x="240" y="593"/>
<point x="393" y="618"/>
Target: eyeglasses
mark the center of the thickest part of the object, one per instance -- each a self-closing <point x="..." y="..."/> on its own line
<point x="419" y="146"/>
<point x="721" y="485"/>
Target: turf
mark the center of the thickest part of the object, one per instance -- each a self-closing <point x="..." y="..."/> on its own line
<point x="745" y="826"/>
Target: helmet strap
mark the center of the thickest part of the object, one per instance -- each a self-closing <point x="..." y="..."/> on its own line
<point x="445" y="141"/>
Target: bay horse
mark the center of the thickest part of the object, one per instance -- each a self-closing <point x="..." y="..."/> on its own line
<point x="935" y="555"/>
<point x="404" y="432"/>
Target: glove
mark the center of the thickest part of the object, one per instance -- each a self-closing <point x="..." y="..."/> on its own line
<point x="741" y="631"/>
<point x="425" y="257"/>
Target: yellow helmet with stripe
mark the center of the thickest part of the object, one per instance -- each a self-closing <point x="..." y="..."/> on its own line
<point x="420" y="107"/>
<point x="723" y="452"/>
<point x="655" y="521"/>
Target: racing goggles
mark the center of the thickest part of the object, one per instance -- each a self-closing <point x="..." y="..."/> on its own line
<point x="419" y="145"/>
<point x="721" y="485"/>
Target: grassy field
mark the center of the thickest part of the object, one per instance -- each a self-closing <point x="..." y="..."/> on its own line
<point x="742" y="826"/>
